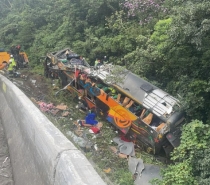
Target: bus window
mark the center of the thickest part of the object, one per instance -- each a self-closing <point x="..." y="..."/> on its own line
<point x="156" y="121"/>
<point x="146" y="116"/>
<point x="136" y="109"/>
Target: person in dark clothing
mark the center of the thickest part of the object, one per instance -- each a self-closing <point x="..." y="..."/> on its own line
<point x="67" y="53"/>
<point x="82" y="60"/>
<point x="17" y="48"/>
<point x="12" y="50"/>
<point x="89" y="121"/>
<point x="105" y="60"/>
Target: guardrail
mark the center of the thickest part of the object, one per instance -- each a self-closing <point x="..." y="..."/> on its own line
<point x="39" y="152"/>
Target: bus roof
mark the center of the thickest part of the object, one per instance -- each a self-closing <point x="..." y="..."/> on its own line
<point x="151" y="97"/>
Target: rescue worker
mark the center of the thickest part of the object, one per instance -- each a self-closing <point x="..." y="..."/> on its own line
<point x="96" y="62"/>
<point x="12" y="65"/>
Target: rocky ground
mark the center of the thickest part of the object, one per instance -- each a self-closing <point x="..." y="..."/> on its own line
<point x="99" y="147"/>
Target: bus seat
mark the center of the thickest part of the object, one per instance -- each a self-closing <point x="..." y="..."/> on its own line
<point x="148" y="119"/>
<point x="142" y="113"/>
<point x="125" y="101"/>
<point x="130" y="104"/>
<point x="160" y="127"/>
<point x="118" y="97"/>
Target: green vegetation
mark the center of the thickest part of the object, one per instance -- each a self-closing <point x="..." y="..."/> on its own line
<point x="191" y="158"/>
<point x="166" y="42"/>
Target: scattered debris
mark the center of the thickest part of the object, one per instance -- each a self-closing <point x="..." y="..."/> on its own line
<point x="95" y="130"/>
<point x="44" y="107"/>
<point x="54" y="111"/>
<point x="24" y="77"/>
<point x="49" y="107"/>
<point x="117" y="152"/>
<point x="150" y="172"/>
<point x="114" y="149"/>
<point x="81" y="107"/>
<point x="34" y="100"/>
<point x="124" y="147"/>
<point x="33" y="82"/>
<point x="96" y="147"/>
<point x="79" y="132"/>
<point x="108" y="170"/>
<point x="66" y="113"/>
<point x="142" y="173"/>
<point x="135" y="166"/>
<point x="123" y="156"/>
<point x="55" y="88"/>
<point x="80" y="141"/>
<point x="61" y="106"/>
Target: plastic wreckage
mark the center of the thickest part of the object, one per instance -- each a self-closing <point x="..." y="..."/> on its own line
<point x="147" y="115"/>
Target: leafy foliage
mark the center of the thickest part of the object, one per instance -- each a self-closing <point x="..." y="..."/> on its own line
<point x="191" y="157"/>
<point x="167" y="42"/>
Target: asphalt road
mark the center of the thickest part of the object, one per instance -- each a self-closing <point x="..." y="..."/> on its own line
<point x="6" y="177"/>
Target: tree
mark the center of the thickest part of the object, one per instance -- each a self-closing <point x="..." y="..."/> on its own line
<point x="190" y="158"/>
<point x="176" y="55"/>
<point x="145" y="10"/>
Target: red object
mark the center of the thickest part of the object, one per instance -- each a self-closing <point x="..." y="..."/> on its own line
<point x="122" y="137"/>
<point x="95" y="130"/>
<point x="77" y="73"/>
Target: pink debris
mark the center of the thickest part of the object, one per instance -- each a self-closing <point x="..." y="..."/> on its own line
<point x="44" y="107"/>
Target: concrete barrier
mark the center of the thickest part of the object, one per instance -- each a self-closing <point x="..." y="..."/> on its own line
<point x="40" y="154"/>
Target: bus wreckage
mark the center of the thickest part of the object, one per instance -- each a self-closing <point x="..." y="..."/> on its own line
<point x="147" y="115"/>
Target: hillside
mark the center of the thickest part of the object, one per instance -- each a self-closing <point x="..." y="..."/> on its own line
<point x="165" y="42"/>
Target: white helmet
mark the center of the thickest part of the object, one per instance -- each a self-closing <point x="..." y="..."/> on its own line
<point x="11" y="56"/>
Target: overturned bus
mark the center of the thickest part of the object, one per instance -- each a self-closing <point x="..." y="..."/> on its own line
<point x="147" y="115"/>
